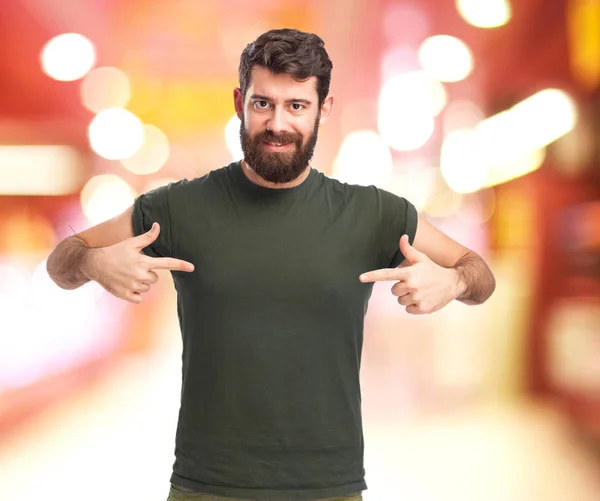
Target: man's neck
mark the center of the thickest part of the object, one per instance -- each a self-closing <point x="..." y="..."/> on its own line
<point x="256" y="179"/>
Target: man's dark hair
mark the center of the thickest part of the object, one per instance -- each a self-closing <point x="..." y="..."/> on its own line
<point x="301" y="55"/>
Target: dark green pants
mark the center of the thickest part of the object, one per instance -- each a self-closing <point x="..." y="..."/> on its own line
<point x="178" y="493"/>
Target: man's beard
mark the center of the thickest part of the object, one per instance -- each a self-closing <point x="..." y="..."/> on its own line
<point x="273" y="166"/>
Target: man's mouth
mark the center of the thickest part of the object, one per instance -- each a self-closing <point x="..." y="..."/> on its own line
<point x="276" y="145"/>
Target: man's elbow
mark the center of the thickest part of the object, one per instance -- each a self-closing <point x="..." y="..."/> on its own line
<point x="479" y="277"/>
<point x="488" y="285"/>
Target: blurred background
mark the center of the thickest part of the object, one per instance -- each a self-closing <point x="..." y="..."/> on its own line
<point x="484" y="113"/>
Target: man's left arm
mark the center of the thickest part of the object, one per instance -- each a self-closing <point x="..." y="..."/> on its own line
<point x="436" y="270"/>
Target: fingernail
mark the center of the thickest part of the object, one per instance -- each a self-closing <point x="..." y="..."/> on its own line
<point x="363" y="277"/>
<point x="191" y="267"/>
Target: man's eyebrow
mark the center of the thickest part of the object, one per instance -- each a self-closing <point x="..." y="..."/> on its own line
<point x="267" y="98"/>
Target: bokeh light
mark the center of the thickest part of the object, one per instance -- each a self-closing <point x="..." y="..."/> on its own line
<point x="68" y="57"/>
<point x="528" y="126"/>
<point x="408" y="103"/>
<point x="39" y="169"/>
<point x="116" y="134"/>
<point x="405" y="132"/>
<point x="447" y="58"/>
<point x="105" y="196"/>
<point x="232" y="138"/>
<point x="485" y="13"/>
<point x="13" y="284"/>
<point x="56" y="328"/>
<point x="509" y="168"/>
<point x="461" y="162"/>
<point x="509" y="144"/>
<point x="413" y="91"/>
<point x="13" y="290"/>
<point x="550" y="114"/>
<point x="462" y="114"/>
<point x="152" y="155"/>
<point x="104" y="88"/>
<point x="364" y="159"/>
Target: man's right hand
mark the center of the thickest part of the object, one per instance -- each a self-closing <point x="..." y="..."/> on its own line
<point x="124" y="271"/>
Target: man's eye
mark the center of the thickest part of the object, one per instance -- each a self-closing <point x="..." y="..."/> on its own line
<point x="261" y="104"/>
<point x="297" y="106"/>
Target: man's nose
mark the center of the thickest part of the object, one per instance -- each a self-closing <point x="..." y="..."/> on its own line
<point x="277" y="123"/>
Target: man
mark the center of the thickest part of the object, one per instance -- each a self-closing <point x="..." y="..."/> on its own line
<point x="273" y="263"/>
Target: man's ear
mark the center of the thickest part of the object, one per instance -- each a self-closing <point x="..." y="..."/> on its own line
<point x="325" y="110"/>
<point x="238" y="102"/>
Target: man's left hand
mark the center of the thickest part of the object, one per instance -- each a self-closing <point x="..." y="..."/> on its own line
<point x="422" y="285"/>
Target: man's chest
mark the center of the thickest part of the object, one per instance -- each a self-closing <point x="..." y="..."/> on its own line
<point x="301" y="260"/>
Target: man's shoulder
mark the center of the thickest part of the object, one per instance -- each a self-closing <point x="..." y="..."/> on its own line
<point x="347" y="186"/>
<point x="205" y="181"/>
<point x="346" y="193"/>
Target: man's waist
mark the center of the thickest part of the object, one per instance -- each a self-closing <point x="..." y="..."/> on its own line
<point x="324" y="470"/>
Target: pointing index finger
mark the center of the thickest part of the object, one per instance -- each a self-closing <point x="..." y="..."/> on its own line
<point x="170" y="263"/>
<point x="383" y="275"/>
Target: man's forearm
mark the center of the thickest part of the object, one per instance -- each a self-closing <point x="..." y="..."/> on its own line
<point x="69" y="262"/>
<point x="475" y="281"/>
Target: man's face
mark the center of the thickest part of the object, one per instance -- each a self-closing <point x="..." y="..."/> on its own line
<point x="280" y="120"/>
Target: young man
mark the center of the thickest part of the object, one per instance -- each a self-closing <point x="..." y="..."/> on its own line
<point x="273" y="263"/>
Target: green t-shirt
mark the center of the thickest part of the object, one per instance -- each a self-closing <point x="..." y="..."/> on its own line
<point x="272" y="324"/>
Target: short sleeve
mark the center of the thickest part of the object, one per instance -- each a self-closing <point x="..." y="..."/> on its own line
<point x="399" y="217"/>
<point x="149" y="208"/>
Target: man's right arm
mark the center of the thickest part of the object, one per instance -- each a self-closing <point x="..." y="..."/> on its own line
<point x="73" y="261"/>
<point x="111" y="255"/>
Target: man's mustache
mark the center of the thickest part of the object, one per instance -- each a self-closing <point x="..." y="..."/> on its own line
<point x="281" y="138"/>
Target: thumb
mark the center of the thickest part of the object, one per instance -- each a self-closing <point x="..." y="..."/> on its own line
<point x="145" y="239"/>
<point x="409" y="252"/>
